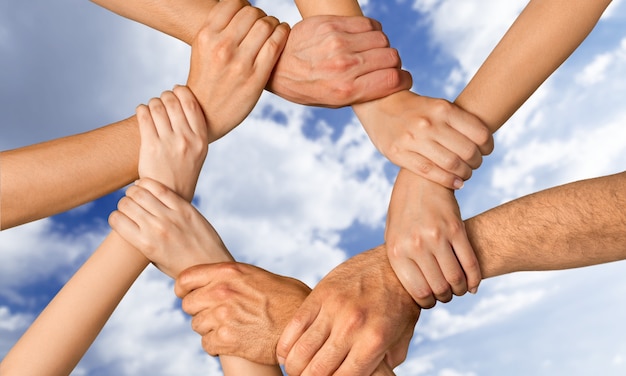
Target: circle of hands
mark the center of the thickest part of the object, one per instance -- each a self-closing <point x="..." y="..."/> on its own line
<point x="359" y="319"/>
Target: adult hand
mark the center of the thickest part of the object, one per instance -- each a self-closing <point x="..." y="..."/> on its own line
<point x="232" y="57"/>
<point x="335" y="61"/>
<point x="173" y="140"/>
<point x="168" y="230"/>
<point x="432" y="138"/>
<point x="427" y="243"/>
<point x="358" y="316"/>
<point x="239" y="309"/>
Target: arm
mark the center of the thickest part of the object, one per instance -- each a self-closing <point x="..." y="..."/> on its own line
<point x="63" y="332"/>
<point x="312" y="69"/>
<point x="48" y="178"/>
<point x="550" y="29"/>
<point x="421" y="236"/>
<point x="574" y="225"/>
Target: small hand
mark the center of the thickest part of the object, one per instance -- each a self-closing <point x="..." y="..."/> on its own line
<point x="239" y="309"/>
<point x="173" y="140"/>
<point x="168" y="230"/>
<point x="427" y="243"/>
<point x="358" y="316"/>
<point x="232" y="58"/>
<point x="432" y="138"/>
<point x="335" y="61"/>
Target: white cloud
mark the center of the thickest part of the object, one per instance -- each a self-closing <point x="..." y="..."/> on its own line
<point x="291" y="196"/>
<point x="467" y="31"/>
<point x="440" y="323"/>
<point x="36" y="251"/>
<point x="595" y="71"/>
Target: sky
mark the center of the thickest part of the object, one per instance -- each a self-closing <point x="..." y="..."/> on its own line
<point x="298" y="190"/>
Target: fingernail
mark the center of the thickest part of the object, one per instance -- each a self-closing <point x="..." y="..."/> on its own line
<point x="474" y="291"/>
<point x="458" y="183"/>
<point x="281" y="360"/>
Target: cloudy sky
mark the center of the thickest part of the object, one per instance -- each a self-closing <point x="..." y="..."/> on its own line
<point x="310" y="190"/>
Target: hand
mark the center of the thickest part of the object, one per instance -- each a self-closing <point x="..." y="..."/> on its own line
<point x="239" y="309"/>
<point x="427" y="243"/>
<point x="432" y="138"/>
<point x="232" y="58"/>
<point x="173" y="140"/>
<point x="358" y="316"/>
<point x="335" y="61"/>
<point x="168" y="230"/>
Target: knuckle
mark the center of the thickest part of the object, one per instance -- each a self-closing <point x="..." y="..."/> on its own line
<point x="422" y="293"/>
<point x="441" y="106"/>
<point x="208" y="344"/>
<point x="223" y="313"/>
<point x="456" y="278"/>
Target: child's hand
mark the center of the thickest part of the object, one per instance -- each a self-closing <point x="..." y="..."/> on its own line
<point x="432" y="138"/>
<point x="173" y="140"/>
<point x="232" y="58"/>
<point x="168" y="230"/>
<point x="426" y="241"/>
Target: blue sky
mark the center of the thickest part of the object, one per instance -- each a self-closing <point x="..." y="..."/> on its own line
<point x="298" y="190"/>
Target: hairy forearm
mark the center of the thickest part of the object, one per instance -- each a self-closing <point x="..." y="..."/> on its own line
<point x="544" y="35"/>
<point x="574" y="225"/>
<point x="63" y="332"/>
<point x="180" y="19"/>
<point x="34" y="179"/>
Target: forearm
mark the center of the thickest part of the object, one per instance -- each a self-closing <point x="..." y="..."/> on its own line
<point x="180" y="19"/>
<point x="63" y="332"/>
<point x="574" y="225"/>
<point x="51" y="177"/>
<point x="539" y="41"/>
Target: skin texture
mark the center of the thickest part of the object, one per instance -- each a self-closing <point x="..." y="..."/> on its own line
<point x="424" y="240"/>
<point x="558" y="228"/>
<point x="173" y="147"/>
<point x="34" y="179"/>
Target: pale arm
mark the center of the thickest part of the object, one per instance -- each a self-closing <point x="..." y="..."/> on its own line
<point x="549" y="29"/>
<point x="65" y="329"/>
<point x="48" y="178"/>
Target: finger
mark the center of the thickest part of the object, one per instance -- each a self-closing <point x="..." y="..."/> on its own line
<point x="313" y="340"/>
<point x="467" y="258"/>
<point x="375" y="42"/>
<point x="361" y="360"/>
<point x="271" y="50"/>
<point x="474" y="129"/>
<point x="175" y="114"/>
<point x="193" y="278"/>
<point x="257" y="36"/>
<point x="442" y="157"/>
<point x="147" y="129"/>
<point x="434" y="276"/>
<point x="123" y="225"/>
<point x="168" y="198"/>
<point x="193" y="111"/>
<point x="303" y="318"/>
<point x="203" y="321"/>
<point x="462" y="148"/>
<point x="242" y="23"/>
<point x="147" y="207"/>
<point x="223" y="12"/>
<point x="413" y="281"/>
<point x="452" y="272"/>
<point x="160" y="118"/>
<point x="424" y="167"/>
<point x="375" y="81"/>
<point x="350" y="24"/>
